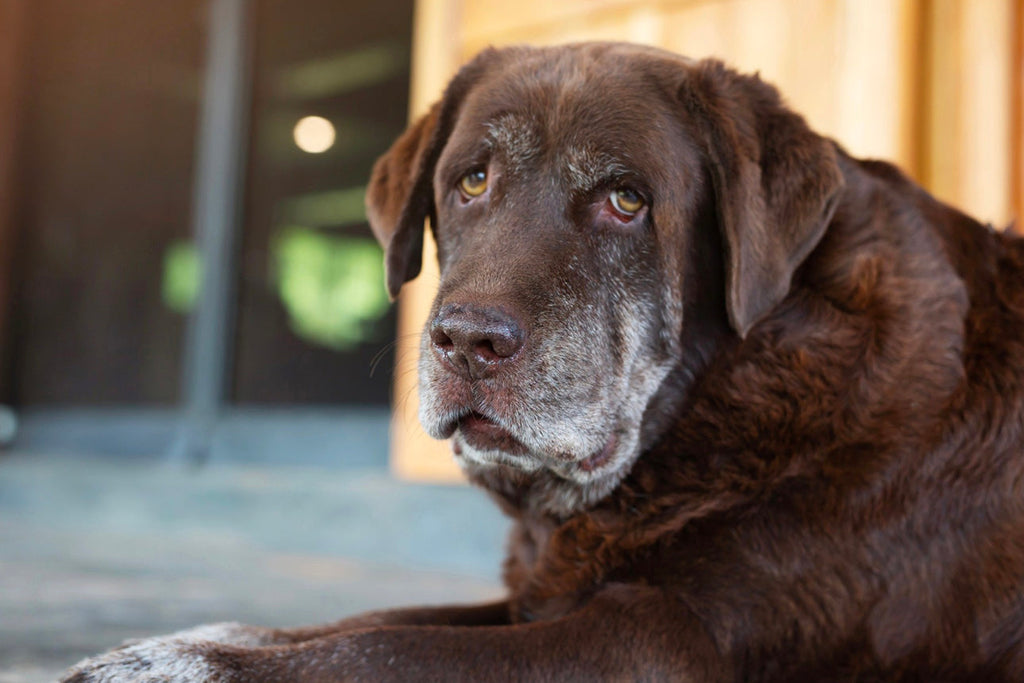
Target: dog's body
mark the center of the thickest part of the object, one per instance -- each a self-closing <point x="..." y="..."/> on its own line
<point x="755" y="407"/>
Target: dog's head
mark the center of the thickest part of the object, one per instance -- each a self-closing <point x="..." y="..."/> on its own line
<point x="602" y="211"/>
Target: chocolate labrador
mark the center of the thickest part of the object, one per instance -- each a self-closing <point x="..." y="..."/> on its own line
<point x="755" y="407"/>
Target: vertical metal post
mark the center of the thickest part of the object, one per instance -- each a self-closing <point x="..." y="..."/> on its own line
<point x="219" y="179"/>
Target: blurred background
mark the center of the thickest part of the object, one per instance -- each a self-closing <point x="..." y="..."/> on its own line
<point x="203" y="412"/>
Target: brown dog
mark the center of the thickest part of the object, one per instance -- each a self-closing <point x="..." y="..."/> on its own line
<point x="755" y="407"/>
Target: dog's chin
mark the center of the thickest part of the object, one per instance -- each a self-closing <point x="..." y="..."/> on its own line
<point x="469" y="457"/>
<point x="570" y="482"/>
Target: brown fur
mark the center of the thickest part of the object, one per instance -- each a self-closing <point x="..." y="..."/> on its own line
<point x="827" y="478"/>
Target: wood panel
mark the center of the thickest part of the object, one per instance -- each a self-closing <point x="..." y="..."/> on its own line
<point x="846" y="65"/>
<point x="414" y="455"/>
<point x="599" y="20"/>
<point x="970" y="112"/>
<point x="1017" y="136"/>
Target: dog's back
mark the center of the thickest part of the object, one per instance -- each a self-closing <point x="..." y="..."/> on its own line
<point x="842" y="494"/>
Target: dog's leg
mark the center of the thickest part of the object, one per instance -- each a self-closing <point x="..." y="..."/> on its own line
<point x="489" y="614"/>
<point x="233" y="633"/>
<point x="621" y="633"/>
<point x="244" y="636"/>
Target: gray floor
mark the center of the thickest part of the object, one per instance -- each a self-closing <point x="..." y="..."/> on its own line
<point x="96" y="550"/>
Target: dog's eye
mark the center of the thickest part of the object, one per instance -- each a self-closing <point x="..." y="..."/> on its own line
<point x="626" y="202"/>
<point x="473" y="184"/>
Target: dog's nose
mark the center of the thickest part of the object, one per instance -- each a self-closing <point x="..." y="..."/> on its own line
<point x="476" y="340"/>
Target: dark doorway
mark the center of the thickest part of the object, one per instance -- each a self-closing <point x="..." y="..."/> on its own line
<point x="106" y="267"/>
<point x="313" y="315"/>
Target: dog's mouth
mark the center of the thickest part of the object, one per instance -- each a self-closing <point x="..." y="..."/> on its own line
<point x="599" y="459"/>
<point x="484" y="434"/>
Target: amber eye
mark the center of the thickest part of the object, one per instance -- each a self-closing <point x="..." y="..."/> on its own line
<point x="626" y="201"/>
<point x="473" y="184"/>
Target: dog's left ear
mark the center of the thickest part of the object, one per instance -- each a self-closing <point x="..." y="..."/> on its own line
<point x="400" y="196"/>
<point x="399" y="199"/>
<point x="776" y="184"/>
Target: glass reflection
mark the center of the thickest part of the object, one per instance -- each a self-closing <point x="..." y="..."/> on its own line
<point x="331" y="286"/>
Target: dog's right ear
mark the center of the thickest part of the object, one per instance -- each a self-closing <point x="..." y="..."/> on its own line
<point x="776" y="184"/>
<point x="400" y="196"/>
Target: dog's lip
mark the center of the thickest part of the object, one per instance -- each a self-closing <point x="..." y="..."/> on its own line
<point x="600" y="458"/>
<point x="484" y="434"/>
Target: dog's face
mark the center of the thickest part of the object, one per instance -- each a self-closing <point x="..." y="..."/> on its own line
<point x="580" y="199"/>
<point x="559" y="311"/>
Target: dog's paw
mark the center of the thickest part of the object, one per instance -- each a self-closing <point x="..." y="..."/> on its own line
<point x="184" y="657"/>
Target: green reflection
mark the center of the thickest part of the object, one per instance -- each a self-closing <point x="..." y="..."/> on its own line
<point x="180" y="286"/>
<point x="332" y="207"/>
<point x="342" y="73"/>
<point x="330" y="285"/>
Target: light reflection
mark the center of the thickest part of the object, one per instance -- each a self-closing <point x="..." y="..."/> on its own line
<point x="342" y="73"/>
<point x="314" y="134"/>
<point x="181" y="277"/>
<point x="329" y="208"/>
<point x="331" y="286"/>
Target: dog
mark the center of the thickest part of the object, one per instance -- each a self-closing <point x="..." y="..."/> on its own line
<point x="754" y="406"/>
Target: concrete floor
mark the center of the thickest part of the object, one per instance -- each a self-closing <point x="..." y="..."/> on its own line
<point x="94" y="551"/>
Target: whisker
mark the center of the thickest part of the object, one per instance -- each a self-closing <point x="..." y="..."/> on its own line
<point x="393" y="344"/>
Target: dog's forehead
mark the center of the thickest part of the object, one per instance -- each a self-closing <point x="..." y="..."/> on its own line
<point x="591" y="115"/>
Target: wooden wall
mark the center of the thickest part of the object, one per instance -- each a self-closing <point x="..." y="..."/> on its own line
<point x="971" y="144"/>
<point x="934" y="85"/>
